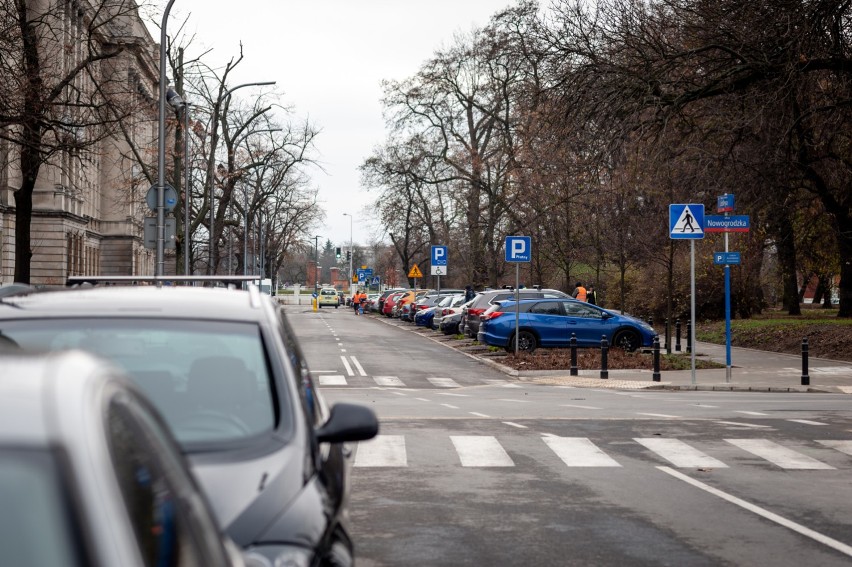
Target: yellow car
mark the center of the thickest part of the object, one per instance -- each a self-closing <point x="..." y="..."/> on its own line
<point x="328" y="296"/>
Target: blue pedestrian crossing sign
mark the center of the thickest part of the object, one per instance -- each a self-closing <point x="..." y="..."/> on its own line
<point x="686" y="221"/>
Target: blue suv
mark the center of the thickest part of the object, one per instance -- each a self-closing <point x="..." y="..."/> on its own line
<point x="549" y="323"/>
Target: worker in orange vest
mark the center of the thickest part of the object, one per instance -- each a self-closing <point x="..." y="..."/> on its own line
<point x="579" y="292"/>
<point x="362" y="300"/>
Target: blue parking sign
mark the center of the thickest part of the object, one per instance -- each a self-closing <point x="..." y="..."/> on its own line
<point x="518" y="249"/>
<point x="439" y="255"/>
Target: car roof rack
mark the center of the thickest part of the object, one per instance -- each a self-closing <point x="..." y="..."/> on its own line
<point x="158" y="280"/>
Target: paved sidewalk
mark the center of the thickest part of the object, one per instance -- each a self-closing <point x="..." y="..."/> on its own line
<point x="752" y="370"/>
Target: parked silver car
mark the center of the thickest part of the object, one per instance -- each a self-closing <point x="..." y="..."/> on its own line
<point x="89" y="474"/>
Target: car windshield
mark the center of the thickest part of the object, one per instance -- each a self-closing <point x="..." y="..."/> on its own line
<point x="209" y="379"/>
<point x="36" y="527"/>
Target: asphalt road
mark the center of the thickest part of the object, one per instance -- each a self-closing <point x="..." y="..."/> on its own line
<point x="475" y="468"/>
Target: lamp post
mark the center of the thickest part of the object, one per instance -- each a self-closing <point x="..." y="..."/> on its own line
<point x="214" y="140"/>
<point x="350" y="251"/>
<point x="161" y="149"/>
<point x="316" y="267"/>
<point x="186" y="191"/>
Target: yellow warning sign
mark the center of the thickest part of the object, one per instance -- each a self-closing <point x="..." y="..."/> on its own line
<point x="415" y="272"/>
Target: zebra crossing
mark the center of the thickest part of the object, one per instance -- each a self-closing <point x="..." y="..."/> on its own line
<point x="338" y="380"/>
<point x="487" y="451"/>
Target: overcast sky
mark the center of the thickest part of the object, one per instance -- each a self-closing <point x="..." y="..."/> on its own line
<point x="329" y="58"/>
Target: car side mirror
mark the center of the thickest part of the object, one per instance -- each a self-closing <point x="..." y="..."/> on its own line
<point x="348" y="422"/>
<point x="605" y="315"/>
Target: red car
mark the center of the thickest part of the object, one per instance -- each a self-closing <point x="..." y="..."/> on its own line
<point x="390" y="302"/>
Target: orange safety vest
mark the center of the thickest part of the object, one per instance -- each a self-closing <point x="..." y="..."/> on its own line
<point x="581" y="293"/>
<point x="362" y="298"/>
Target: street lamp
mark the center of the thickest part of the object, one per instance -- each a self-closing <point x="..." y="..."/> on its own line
<point x="350" y="251"/>
<point x="214" y="140"/>
<point x="316" y="267"/>
<point x="161" y="149"/>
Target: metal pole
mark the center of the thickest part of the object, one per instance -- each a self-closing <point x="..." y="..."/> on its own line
<point x="727" y="314"/>
<point x="573" y="370"/>
<point x="245" y="230"/>
<point x="161" y="149"/>
<point x="692" y="304"/>
<point x="186" y="191"/>
<point x="350" y="251"/>
<point x="517" y="305"/>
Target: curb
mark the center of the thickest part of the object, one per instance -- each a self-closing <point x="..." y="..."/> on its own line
<point x="614" y="383"/>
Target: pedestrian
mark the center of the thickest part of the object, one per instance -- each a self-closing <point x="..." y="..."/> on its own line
<point x="362" y="302"/>
<point x="591" y="295"/>
<point x="468" y="293"/>
<point x="579" y="292"/>
<point x="356" y="300"/>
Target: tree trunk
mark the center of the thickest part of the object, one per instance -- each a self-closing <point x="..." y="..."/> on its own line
<point x="844" y="245"/>
<point x="787" y="263"/>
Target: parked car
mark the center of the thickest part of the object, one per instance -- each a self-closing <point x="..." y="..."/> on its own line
<point x="390" y="304"/>
<point x="384" y="296"/>
<point x="549" y="323"/>
<point x="225" y="370"/>
<point x="89" y="474"/>
<point x="450" y="324"/>
<point x="484" y="300"/>
<point x="328" y="297"/>
<point x="456" y="304"/>
<point x="425" y="316"/>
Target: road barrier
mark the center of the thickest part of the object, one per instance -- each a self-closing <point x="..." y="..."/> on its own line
<point x="604" y="353"/>
<point x="806" y="379"/>
<point x="574" y="371"/>
<point x="655" y="376"/>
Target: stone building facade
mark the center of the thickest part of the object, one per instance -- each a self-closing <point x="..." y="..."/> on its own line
<point x="88" y="207"/>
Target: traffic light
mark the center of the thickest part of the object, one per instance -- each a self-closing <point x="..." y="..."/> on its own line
<point x="348" y="255"/>
<point x="337" y="252"/>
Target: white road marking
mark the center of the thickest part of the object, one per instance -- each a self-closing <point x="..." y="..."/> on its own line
<point x="514" y="401"/>
<point x="476" y="413"/>
<point x="842" y="446"/>
<point x="382" y="451"/>
<point x="679" y="453"/>
<point x="751" y="412"/>
<point x="450" y="406"/>
<point x="579" y="407"/>
<point x="398" y="393"/>
<point x="389" y="381"/>
<point x="423" y="399"/>
<point x="763" y="512"/>
<point x="443" y="382"/>
<point x="358" y="366"/>
<point x="346" y="364"/>
<point x="481" y="451"/>
<point x="738" y="424"/>
<point x="453" y="394"/>
<point x="513" y="424"/>
<point x="657" y="414"/>
<point x="338" y="380"/>
<point x="807" y="422"/>
<point x="778" y="455"/>
<point x="494" y="381"/>
<point x="510" y="385"/>
<point x="579" y="452"/>
<point x="704" y="406"/>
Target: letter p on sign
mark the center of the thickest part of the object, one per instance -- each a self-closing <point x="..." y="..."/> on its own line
<point x="518" y="249"/>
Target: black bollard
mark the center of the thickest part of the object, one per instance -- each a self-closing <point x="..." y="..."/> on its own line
<point x="604" y="353"/>
<point x="650" y="320"/>
<point x="806" y="379"/>
<point x="677" y="335"/>
<point x="574" y="354"/>
<point x="668" y="337"/>
<point x="689" y="336"/>
<point x="655" y="376"/>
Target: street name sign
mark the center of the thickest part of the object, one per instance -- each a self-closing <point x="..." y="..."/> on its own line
<point x="733" y="223"/>
<point x="725" y="203"/>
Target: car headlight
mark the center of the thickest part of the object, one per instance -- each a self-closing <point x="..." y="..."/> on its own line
<point x="278" y="556"/>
